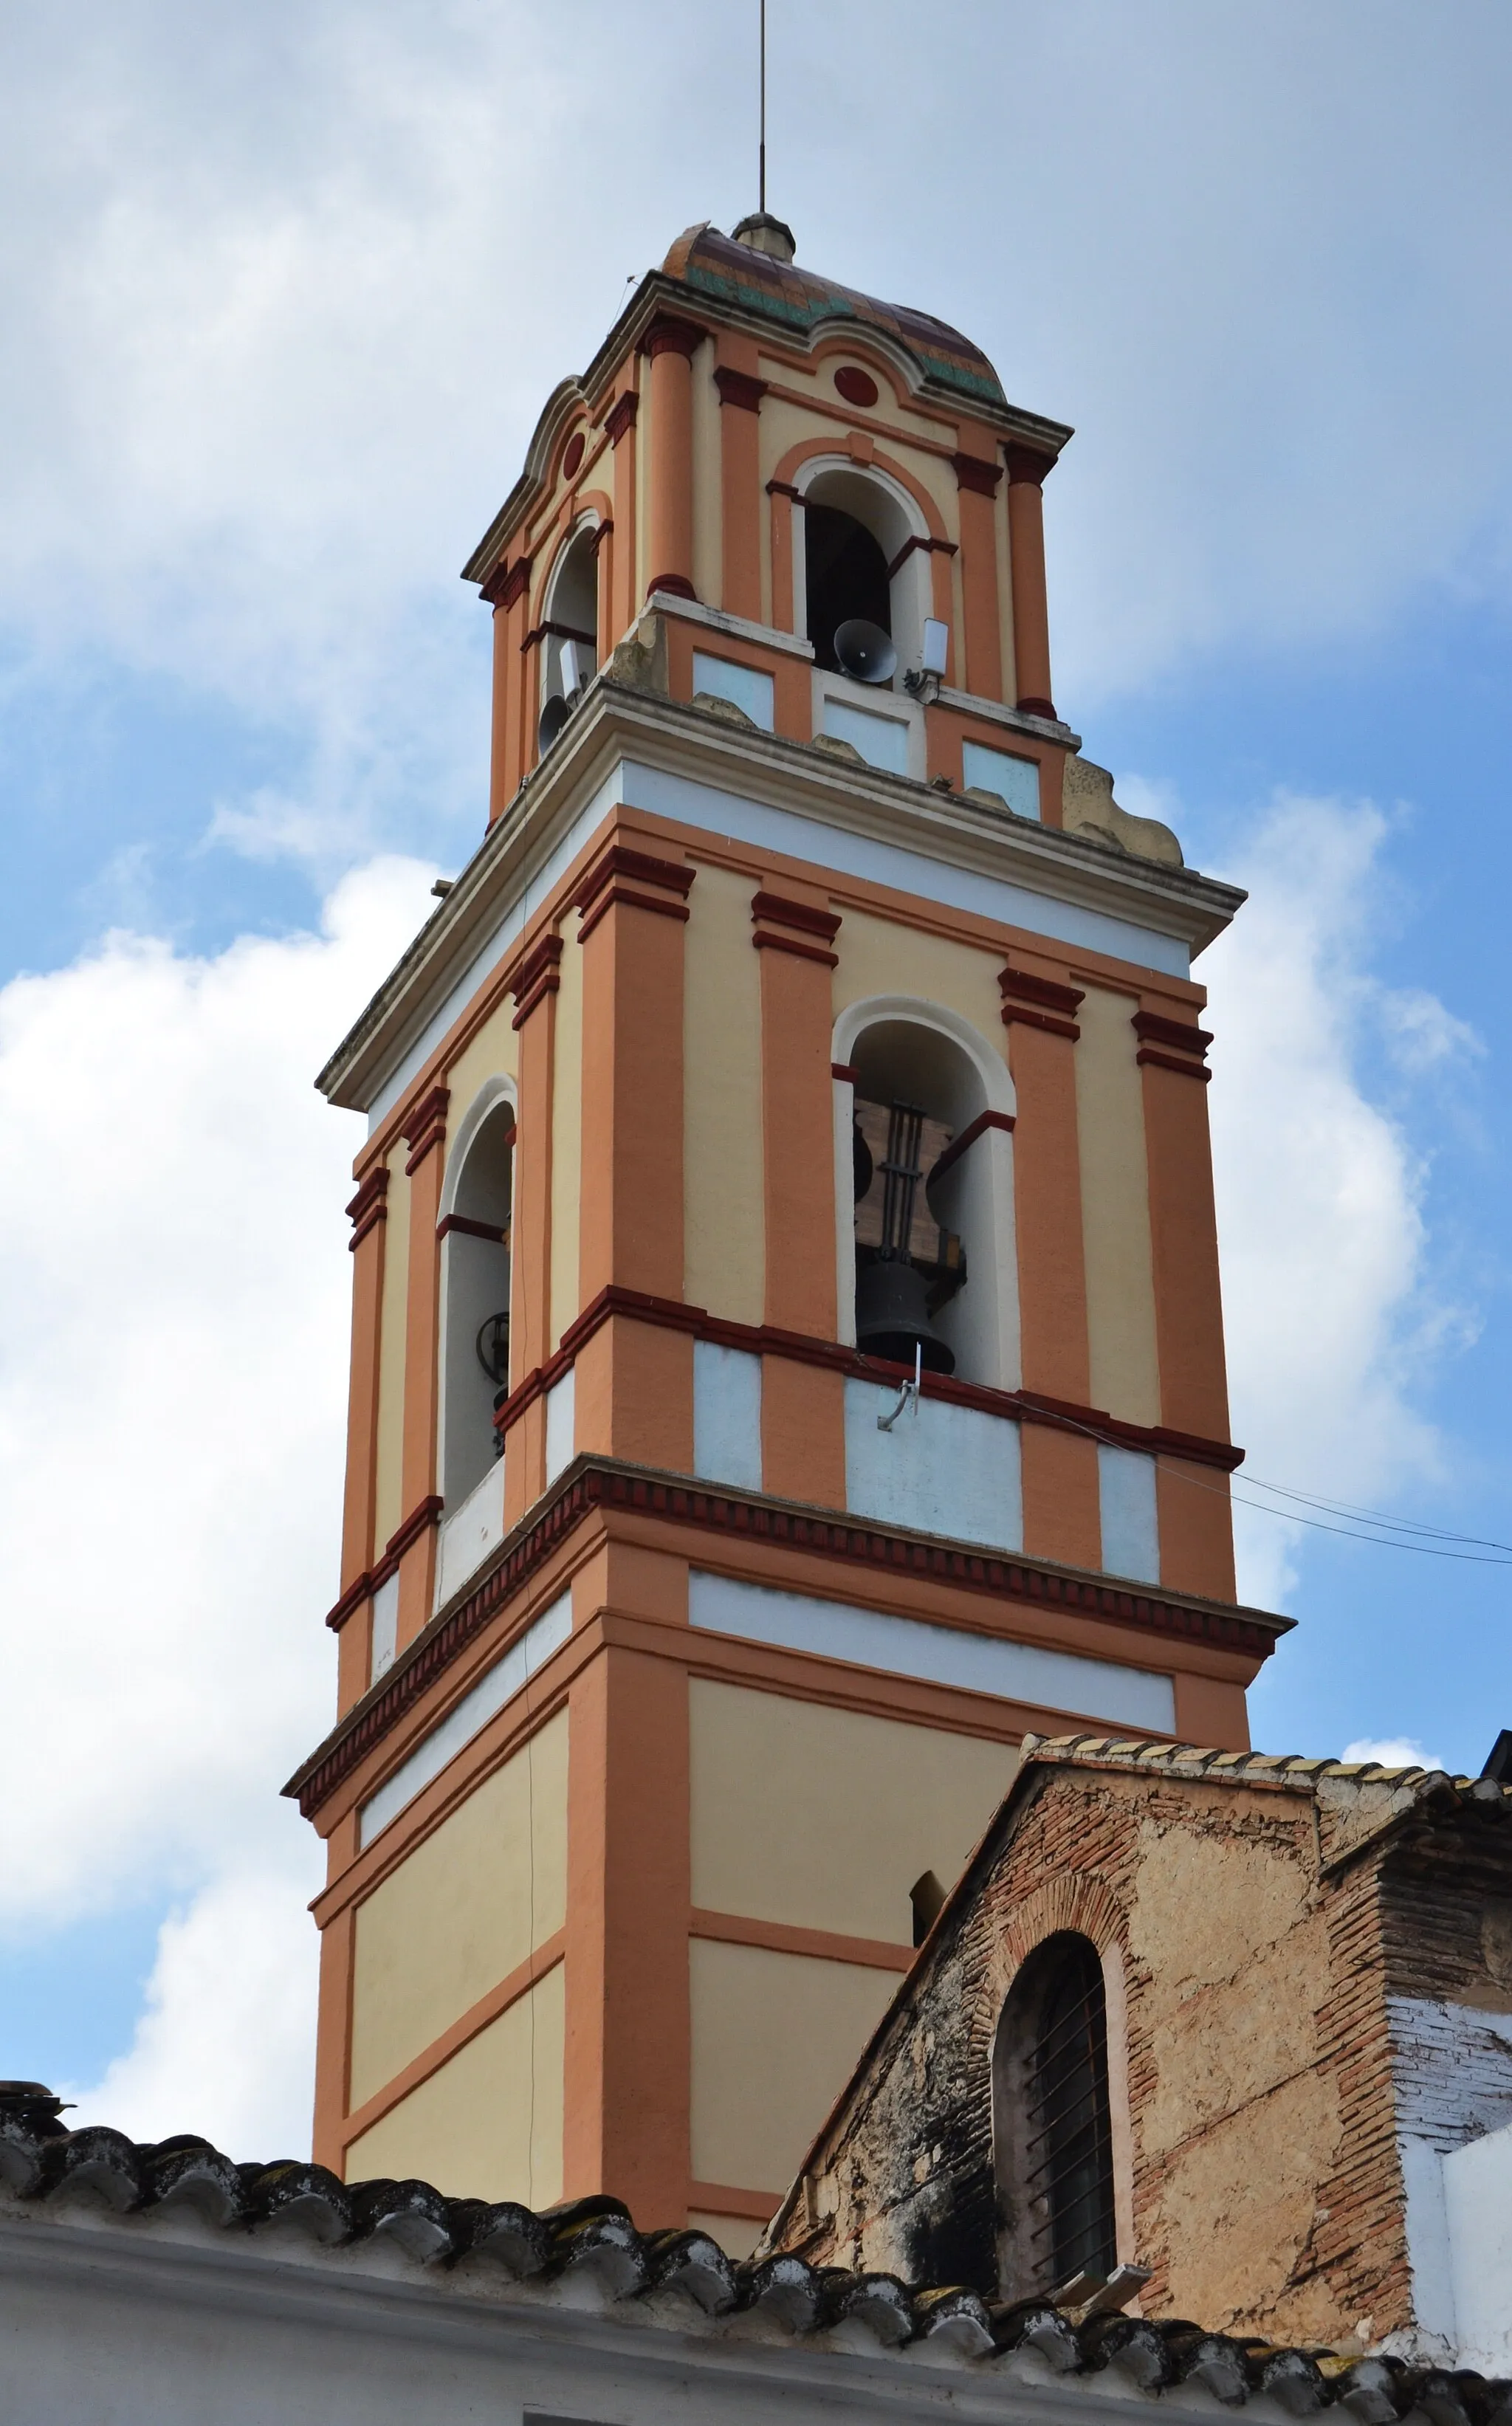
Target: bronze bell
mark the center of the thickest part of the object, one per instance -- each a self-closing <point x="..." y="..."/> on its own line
<point x="892" y="1315"/>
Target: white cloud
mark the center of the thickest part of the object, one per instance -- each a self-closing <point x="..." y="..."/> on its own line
<point x="173" y="1309"/>
<point x="1391" y="1752"/>
<point x="1330" y="1302"/>
<point x="225" y="2044"/>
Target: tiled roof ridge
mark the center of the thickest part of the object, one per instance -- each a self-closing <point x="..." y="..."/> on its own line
<point x="594" y="2242"/>
<point x="1208" y="1760"/>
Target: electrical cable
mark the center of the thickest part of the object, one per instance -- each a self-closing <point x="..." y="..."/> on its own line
<point x="1286" y="1516"/>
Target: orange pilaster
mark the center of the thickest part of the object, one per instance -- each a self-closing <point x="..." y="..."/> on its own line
<point x="740" y="393"/>
<point x="1060" y="1514"/>
<point x="978" y="477"/>
<point x="1196" y="1536"/>
<point x="424" y="1133"/>
<point x="628" y="1898"/>
<point x="670" y="345"/>
<point x="536" y="986"/>
<point x="634" y="909"/>
<point x="1026" y="556"/>
<point x="332" y="2038"/>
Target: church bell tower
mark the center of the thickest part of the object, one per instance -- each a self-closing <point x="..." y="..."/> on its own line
<point x="786" y="1352"/>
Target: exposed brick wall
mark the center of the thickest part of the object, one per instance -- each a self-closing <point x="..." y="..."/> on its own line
<point x="1266" y="1936"/>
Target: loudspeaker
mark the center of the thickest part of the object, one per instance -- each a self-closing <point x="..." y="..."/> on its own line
<point x="865" y="652"/>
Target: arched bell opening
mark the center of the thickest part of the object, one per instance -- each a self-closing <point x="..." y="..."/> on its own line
<point x="863" y="601"/>
<point x="1052" y="2129"/>
<point x="569" y="657"/>
<point x="922" y="1234"/>
<point x="474" y="1285"/>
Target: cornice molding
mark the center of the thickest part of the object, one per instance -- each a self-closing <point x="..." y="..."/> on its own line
<point x="615" y="722"/>
<point x="607" y="1487"/>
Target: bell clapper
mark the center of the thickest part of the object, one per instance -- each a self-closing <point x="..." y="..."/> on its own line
<point x="908" y="1395"/>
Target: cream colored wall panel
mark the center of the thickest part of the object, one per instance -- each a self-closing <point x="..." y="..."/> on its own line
<point x="708" y="500"/>
<point x="488" y="2125"/>
<point x="822" y="379"/>
<point x="774" y="2040"/>
<point x="566" y="1134"/>
<point x="723" y="1251"/>
<point x="460" y="1912"/>
<point x="388" y="1510"/>
<point x="494" y="1052"/>
<point x="1110" y="1116"/>
<point x="824" y="1819"/>
<point x="877" y="957"/>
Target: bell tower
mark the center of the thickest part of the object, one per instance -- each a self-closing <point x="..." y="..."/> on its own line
<point x="786" y="1352"/>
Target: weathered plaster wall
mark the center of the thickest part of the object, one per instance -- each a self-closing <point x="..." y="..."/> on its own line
<point x="1208" y="1894"/>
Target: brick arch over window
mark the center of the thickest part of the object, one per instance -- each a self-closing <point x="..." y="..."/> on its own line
<point x="1076" y="1903"/>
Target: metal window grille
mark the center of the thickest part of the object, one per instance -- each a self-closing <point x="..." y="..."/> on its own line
<point x="1071" y="2142"/>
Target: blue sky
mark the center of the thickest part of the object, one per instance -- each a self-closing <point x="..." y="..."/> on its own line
<point x="283" y="288"/>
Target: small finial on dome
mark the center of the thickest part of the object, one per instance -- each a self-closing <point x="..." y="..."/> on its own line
<point x="764" y="233"/>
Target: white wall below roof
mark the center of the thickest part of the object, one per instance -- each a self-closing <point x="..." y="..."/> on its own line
<point x="169" y="2322"/>
<point x="1478" y="2212"/>
<point x="942" y="1468"/>
<point x="726" y="1416"/>
<point x="942" y="1655"/>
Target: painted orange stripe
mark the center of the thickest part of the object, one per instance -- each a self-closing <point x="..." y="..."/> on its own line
<point x="718" y="2198"/>
<point x="737" y="1929"/>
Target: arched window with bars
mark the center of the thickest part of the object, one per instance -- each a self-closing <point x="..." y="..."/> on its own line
<point x="1052" y="2133"/>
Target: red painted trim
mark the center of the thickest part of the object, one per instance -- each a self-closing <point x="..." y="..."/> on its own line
<point x="768" y="943"/>
<point x="621" y="417"/>
<point x="536" y="976"/>
<point x="470" y="1229"/>
<point x="551" y="630"/>
<point x="676" y="584"/>
<point x="1170" y="1061"/>
<point x="426" y="1126"/>
<point x="640" y="865"/>
<point x="1045" y="707"/>
<point x="592" y="1483"/>
<point x="667" y="335"/>
<point x="572" y="454"/>
<point x="367" y="1208"/>
<point x="846" y="1071"/>
<point x="857" y="387"/>
<point x="1012" y="1012"/>
<point x="416" y="1523"/>
<point x="506" y="584"/>
<point x="1025" y="987"/>
<point x="740" y="388"/>
<point x="617" y="893"/>
<point x="722" y="2198"/>
<point x="1039" y="1002"/>
<point x="765" y="1339"/>
<point x="796" y="914"/>
<point x="1028" y="463"/>
<point x="979" y="1128"/>
<point x="601" y="532"/>
<point x="972" y="472"/>
<point x="356" y="1593"/>
<point x="935" y="547"/>
<point x="784" y="488"/>
<point x="1152" y="1028"/>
